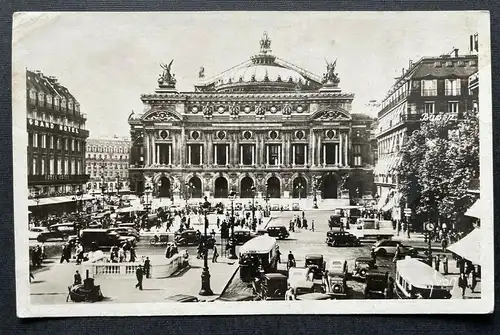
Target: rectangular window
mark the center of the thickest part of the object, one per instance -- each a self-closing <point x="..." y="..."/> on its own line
<point x="42" y="165"/>
<point x="73" y="167"/>
<point x="66" y="166"/>
<point x="246" y="150"/>
<point x="453" y="107"/>
<point x="300" y="154"/>
<point x="34" y="170"/>
<point x="429" y="108"/>
<point x="220" y="154"/>
<point x="78" y="146"/>
<point x="59" y="166"/>
<point x="35" y="140"/>
<point x="30" y="140"/>
<point x="452" y="87"/>
<point x="357" y="161"/>
<point x="51" y="166"/>
<point x="196" y="151"/>
<point x="429" y="87"/>
<point x="329" y="155"/>
<point x="51" y="142"/>
<point x="274" y="154"/>
<point x="357" y="149"/>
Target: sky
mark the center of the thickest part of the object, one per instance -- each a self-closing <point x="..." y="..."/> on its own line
<point x="107" y="60"/>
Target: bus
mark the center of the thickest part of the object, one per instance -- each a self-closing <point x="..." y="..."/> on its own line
<point x="417" y="280"/>
<point x="259" y="252"/>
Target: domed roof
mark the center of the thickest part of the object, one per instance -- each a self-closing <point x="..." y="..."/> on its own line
<point x="263" y="72"/>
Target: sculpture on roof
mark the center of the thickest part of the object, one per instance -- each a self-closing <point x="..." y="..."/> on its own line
<point x="331" y="77"/>
<point x="201" y="73"/>
<point x="167" y="78"/>
<point x="265" y="44"/>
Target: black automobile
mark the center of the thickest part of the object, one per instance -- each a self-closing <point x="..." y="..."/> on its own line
<point x="271" y="286"/>
<point x="104" y="238"/>
<point x="316" y="264"/>
<point x="243" y="236"/>
<point x="60" y="231"/>
<point x="279" y="232"/>
<point x="377" y="284"/>
<point x="341" y="238"/>
<point x="192" y="237"/>
<point x="126" y="231"/>
<point x="362" y="265"/>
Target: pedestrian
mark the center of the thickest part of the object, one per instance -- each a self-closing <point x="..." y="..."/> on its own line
<point x="79" y="254"/>
<point x="374" y="256"/>
<point x="139" y="275"/>
<point x="132" y="255"/>
<point x="396" y="254"/>
<point x="444" y="244"/>
<point x="218" y="222"/>
<point x="291" y="260"/>
<point x="278" y="254"/>
<point x="147" y="267"/>
<point x="462" y="283"/>
<point x="290" y="294"/>
<point x="312" y="225"/>
<point x="121" y="254"/>
<point x="472" y="280"/>
<point x="215" y="255"/>
<point x="64" y="253"/>
<point x="42" y="250"/>
<point x="77" y="278"/>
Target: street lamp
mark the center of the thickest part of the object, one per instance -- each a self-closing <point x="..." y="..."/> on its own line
<point x="315" y="188"/>
<point x="118" y="188"/>
<point x="37" y="200"/>
<point x="205" y="274"/>
<point x="232" y="251"/>
<point x="147" y="190"/>
<point x="189" y="187"/>
<point x="253" y="204"/>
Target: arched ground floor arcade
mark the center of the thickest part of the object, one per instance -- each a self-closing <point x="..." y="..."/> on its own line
<point x="326" y="184"/>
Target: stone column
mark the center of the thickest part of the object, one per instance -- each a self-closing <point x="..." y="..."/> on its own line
<point x="324" y="154"/>
<point x="283" y="148"/>
<point x="336" y="146"/>
<point x="241" y="156"/>
<point x="209" y="155"/>
<point x="169" y="155"/>
<point x="201" y="154"/>
<point x="306" y="154"/>
<point x="174" y="149"/>
<point x="182" y="147"/>
<point x="280" y="155"/>
<point x="319" y="151"/>
<point x="253" y="153"/>
<point x="236" y="149"/>
<point x="341" y="148"/>
<point x="287" y="148"/>
<point x="227" y="154"/>
<point x="346" y="153"/>
<point x="215" y="155"/>
<point x="189" y="155"/>
<point x="158" y="154"/>
<point x="146" y="149"/>
<point x="310" y="151"/>
<point x="153" y="149"/>
<point x="267" y="155"/>
<point x="293" y="154"/>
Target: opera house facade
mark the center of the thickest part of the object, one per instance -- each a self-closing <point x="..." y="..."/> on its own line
<point x="265" y="128"/>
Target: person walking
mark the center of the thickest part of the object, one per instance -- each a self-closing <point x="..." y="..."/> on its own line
<point x="64" y="254"/>
<point x="312" y="225"/>
<point x="139" y="274"/>
<point x="215" y="255"/>
<point x="397" y="253"/>
<point x="121" y="254"/>
<point x="132" y="255"/>
<point x="278" y="254"/>
<point x="77" y="278"/>
<point x="147" y="267"/>
<point x="462" y="283"/>
<point x="472" y="280"/>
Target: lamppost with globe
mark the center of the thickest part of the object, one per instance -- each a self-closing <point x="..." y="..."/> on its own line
<point x="232" y="250"/>
<point x="253" y="204"/>
<point x="189" y="189"/>
<point x="205" y="274"/>
<point x="315" y="188"/>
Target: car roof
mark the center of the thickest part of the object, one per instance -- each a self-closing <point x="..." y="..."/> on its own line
<point x="94" y="230"/>
<point x="314" y="256"/>
<point x="275" y="275"/>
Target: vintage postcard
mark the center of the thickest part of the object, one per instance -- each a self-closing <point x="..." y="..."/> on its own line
<point x="252" y="163"/>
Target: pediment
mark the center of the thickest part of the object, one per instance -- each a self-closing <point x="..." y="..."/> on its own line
<point x="161" y="116"/>
<point x="329" y="115"/>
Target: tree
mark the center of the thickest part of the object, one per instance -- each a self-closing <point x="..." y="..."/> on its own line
<point x="438" y="162"/>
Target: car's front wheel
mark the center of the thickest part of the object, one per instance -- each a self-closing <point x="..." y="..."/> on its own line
<point x="381" y="252"/>
<point x="65" y="238"/>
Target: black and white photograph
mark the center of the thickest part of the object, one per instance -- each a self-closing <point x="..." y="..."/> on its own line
<point x="215" y="163"/>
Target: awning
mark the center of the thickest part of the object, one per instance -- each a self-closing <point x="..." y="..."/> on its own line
<point x="50" y="201"/>
<point x="475" y="210"/>
<point x="469" y="247"/>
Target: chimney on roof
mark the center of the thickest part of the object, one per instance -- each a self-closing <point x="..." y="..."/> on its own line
<point x="53" y="79"/>
<point x="455" y="52"/>
<point x="410" y="64"/>
<point x="402" y="72"/>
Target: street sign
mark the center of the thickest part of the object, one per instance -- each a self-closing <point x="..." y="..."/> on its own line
<point x="396" y="213"/>
<point x="407" y="211"/>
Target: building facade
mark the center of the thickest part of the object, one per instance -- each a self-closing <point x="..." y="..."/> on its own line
<point x="432" y="88"/>
<point x="265" y="128"/>
<point x="107" y="165"/>
<point x="56" y="141"/>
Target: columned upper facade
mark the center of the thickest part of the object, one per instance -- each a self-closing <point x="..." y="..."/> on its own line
<point x="269" y="128"/>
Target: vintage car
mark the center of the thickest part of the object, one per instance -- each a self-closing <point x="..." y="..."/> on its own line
<point x="125" y="231"/>
<point x="388" y="247"/>
<point x="365" y="223"/>
<point x="334" y="221"/>
<point x="316" y="264"/>
<point x="270" y="286"/>
<point x="182" y="298"/>
<point x="377" y="284"/>
<point x="335" y="238"/>
<point x="335" y="277"/>
<point x="295" y="206"/>
<point x="58" y="231"/>
<point x="36" y="231"/>
<point x="103" y="238"/>
<point x="362" y="265"/>
<point x="279" y="232"/>
<point x="187" y="237"/>
<point x="242" y="236"/>
<point x="298" y="279"/>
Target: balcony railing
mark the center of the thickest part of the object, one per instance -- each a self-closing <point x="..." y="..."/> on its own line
<point x="58" y="178"/>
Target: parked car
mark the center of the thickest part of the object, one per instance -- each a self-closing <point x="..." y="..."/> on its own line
<point x="336" y="277"/>
<point x="271" y="286"/>
<point x="388" y="247"/>
<point x="36" y="231"/>
<point x="127" y="231"/>
<point x="335" y="238"/>
<point x="187" y="237"/>
<point x="316" y="264"/>
<point x="298" y="279"/>
<point x="104" y="238"/>
<point x="242" y="236"/>
<point x="279" y="232"/>
<point x="362" y="265"/>
<point x="60" y="231"/>
<point x="377" y="284"/>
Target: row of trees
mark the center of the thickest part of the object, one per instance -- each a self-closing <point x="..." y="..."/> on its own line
<point x="438" y="162"/>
